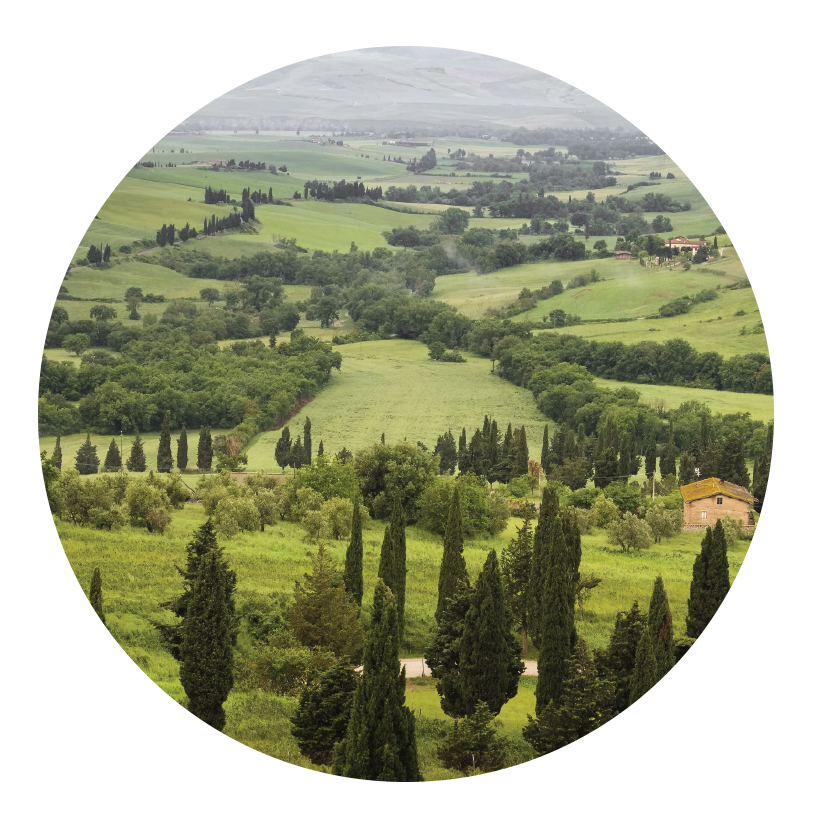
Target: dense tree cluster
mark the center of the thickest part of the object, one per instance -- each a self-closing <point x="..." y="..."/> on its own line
<point x="341" y="190"/>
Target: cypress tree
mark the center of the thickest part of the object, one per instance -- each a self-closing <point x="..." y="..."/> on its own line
<point x="321" y="450"/>
<point x="453" y="566"/>
<point x="181" y="455"/>
<point x="137" y="459"/>
<point x="731" y="460"/>
<point x="490" y="664"/>
<point x="297" y="455"/>
<point x="517" y="572"/>
<point x="164" y="459"/>
<point x="353" y="556"/>
<point x="587" y="702"/>
<point x="205" y="450"/>
<point x="710" y="582"/>
<point x="492" y="452"/>
<point x="283" y="448"/>
<point x="645" y="674"/>
<point x="520" y="466"/>
<point x="650" y="456"/>
<point x="307" y="444"/>
<point x="617" y="662"/>
<point x="206" y="645"/>
<point x="660" y="623"/>
<point x="668" y="457"/>
<point x="760" y="479"/>
<point x="544" y="461"/>
<point x="96" y="594"/>
<point x="687" y="469"/>
<point x="324" y="710"/>
<point x="380" y="743"/>
<point x="540" y="563"/>
<point x="462" y="453"/>
<point x="606" y="454"/>
<point x="57" y="455"/>
<point x="86" y="460"/>
<point x="558" y="623"/>
<point x="398" y="544"/>
<point x="112" y="460"/>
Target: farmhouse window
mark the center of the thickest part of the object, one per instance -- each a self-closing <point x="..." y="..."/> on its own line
<point x="704" y="514"/>
<point x="719" y="500"/>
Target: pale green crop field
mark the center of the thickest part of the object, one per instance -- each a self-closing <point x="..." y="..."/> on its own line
<point x="392" y="387"/>
<point x="759" y="406"/>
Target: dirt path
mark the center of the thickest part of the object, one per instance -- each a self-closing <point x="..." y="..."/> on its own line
<point x="416" y="667"/>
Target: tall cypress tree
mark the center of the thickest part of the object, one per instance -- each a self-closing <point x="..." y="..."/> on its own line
<point x="283" y="448"/>
<point x="297" y="454"/>
<point x="57" y="455"/>
<point x="760" y="479"/>
<point x="558" y="623"/>
<point x="617" y="662"/>
<point x="540" y="562"/>
<point x="453" y="566"/>
<point x="181" y="450"/>
<point x="205" y="450"/>
<point x="660" y="622"/>
<point x="520" y="465"/>
<point x="380" y="743"/>
<point x="517" y="572"/>
<point x="645" y="674"/>
<point x="112" y="460"/>
<point x="206" y="646"/>
<point x="137" y="461"/>
<point x="307" y="443"/>
<point x="731" y="464"/>
<point x="462" y="453"/>
<point x="668" y="457"/>
<point x="544" y="461"/>
<point x="650" y="456"/>
<point x="86" y="460"/>
<point x="490" y="664"/>
<point x="164" y="460"/>
<point x="96" y="594"/>
<point x="353" y="556"/>
<point x="398" y="544"/>
<point x="710" y="582"/>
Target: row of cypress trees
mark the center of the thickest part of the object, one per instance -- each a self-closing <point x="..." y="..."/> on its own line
<point x="295" y="453"/>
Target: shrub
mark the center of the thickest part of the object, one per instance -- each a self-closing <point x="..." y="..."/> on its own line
<point x="234" y="514"/>
<point x="630" y="532"/>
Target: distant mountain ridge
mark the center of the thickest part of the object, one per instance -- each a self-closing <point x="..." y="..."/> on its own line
<point x="404" y="87"/>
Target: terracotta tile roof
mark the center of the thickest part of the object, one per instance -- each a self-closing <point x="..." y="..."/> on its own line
<point x="715" y="486"/>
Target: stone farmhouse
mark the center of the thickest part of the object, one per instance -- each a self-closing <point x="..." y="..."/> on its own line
<point x="708" y="500"/>
<point x="682" y="243"/>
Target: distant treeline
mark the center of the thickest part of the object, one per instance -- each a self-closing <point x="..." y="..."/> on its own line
<point x="341" y="190"/>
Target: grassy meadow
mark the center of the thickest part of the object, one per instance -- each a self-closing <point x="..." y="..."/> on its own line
<point x="392" y="387"/>
<point x="138" y="572"/>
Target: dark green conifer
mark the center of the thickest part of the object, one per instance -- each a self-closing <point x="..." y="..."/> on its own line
<point x="473" y="744"/>
<point x="558" y="622"/>
<point x="283" y="448"/>
<point x="307" y="443"/>
<point x="353" y="556"/>
<point x="453" y="566"/>
<point x="297" y="454"/>
<point x="112" y="461"/>
<point x="398" y="543"/>
<point x="520" y="464"/>
<point x="321" y="718"/>
<point x="687" y="469"/>
<point x="760" y="478"/>
<point x="380" y="743"/>
<point x="137" y="461"/>
<point x="462" y="453"/>
<point x="490" y="664"/>
<point x="710" y="583"/>
<point x="206" y="645"/>
<point x="57" y="455"/>
<point x="731" y="464"/>
<point x="164" y="460"/>
<point x="668" y="457"/>
<point x="650" y="456"/>
<point x="86" y="460"/>
<point x="181" y="450"/>
<point x="205" y="450"/>
<point x="617" y="662"/>
<point x="96" y="594"/>
<point x="645" y="673"/>
<point x="544" y="461"/>
<point x="606" y="454"/>
<point x="587" y="702"/>
<point x="541" y="556"/>
<point x="660" y="621"/>
<point x="517" y="573"/>
<point x="321" y="450"/>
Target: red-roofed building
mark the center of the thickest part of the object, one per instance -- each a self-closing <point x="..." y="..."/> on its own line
<point x="708" y="500"/>
<point x="683" y="242"/>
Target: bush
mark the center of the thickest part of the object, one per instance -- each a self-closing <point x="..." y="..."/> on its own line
<point x="482" y="511"/>
<point x="604" y="511"/>
<point x="234" y="514"/>
<point x="734" y="529"/>
<point x="630" y="532"/>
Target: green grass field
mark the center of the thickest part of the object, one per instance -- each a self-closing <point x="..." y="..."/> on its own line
<point x="392" y="387"/>
<point x="759" y="406"/>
